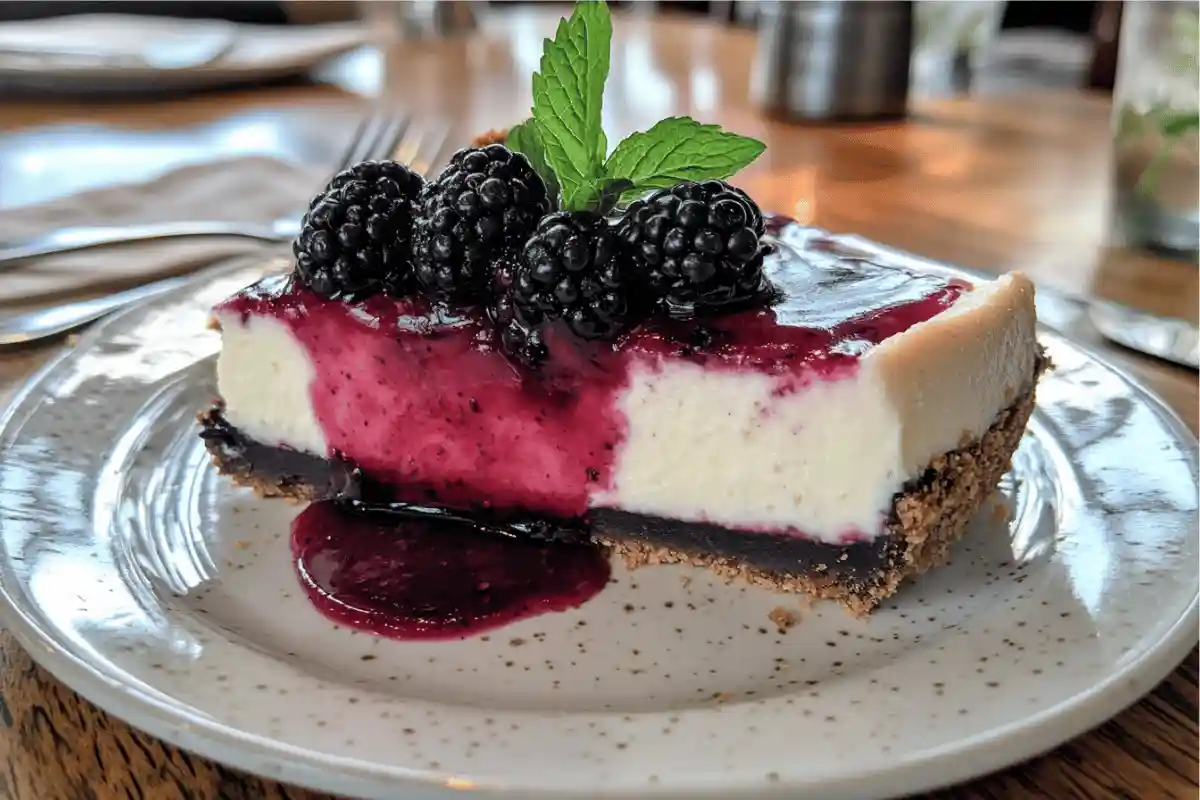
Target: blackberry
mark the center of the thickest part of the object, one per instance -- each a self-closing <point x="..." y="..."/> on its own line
<point x="522" y="342"/>
<point x="570" y="270"/>
<point x="487" y="199"/>
<point x="355" y="238"/>
<point x="518" y="338"/>
<point x="696" y="246"/>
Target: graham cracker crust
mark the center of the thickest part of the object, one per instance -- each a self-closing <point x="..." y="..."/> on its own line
<point x="927" y="518"/>
<point x="305" y="478"/>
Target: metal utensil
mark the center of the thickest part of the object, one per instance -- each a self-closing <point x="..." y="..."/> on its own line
<point x="1174" y="340"/>
<point x="66" y="240"/>
<point x="418" y="145"/>
<point x="35" y="326"/>
<point x="828" y="60"/>
<point x="376" y="134"/>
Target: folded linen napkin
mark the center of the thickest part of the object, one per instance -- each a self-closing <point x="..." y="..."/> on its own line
<point x="254" y="190"/>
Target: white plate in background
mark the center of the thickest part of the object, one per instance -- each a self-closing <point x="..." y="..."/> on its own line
<point x="128" y="53"/>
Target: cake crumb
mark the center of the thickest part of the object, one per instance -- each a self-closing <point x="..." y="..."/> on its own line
<point x="241" y="544"/>
<point x="783" y="618"/>
<point x="722" y="697"/>
<point x="999" y="511"/>
<point x="685" y="580"/>
<point x="968" y="437"/>
<point x="494" y="136"/>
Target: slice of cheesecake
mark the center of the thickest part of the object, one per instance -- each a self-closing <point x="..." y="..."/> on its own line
<point x="834" y="441"/>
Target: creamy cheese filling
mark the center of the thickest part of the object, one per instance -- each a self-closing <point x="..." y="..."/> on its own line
<point x="264" y="375"/>
<point x="720" y="447"/>
<point x="727" y="448"/>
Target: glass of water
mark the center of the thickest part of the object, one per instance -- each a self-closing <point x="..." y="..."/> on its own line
<point x="1156" y="128"/>
<point x="949" y="38"/>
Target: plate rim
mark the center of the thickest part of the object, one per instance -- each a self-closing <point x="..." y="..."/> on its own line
<point x="976" y="756"/>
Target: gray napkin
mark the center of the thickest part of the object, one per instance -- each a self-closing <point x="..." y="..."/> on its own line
<point x="255" y="190"/>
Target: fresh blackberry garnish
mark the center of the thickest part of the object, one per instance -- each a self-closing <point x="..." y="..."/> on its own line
<point x="570" y="270"/>
<point x="521" y="340"/>
<point x="696" y="246"/>
<point x="487" y="199"/>
<point x="355" y="238"/>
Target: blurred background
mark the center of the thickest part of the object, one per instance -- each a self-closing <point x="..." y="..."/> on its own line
<point x="1055" y="137"/>
<point x="1075" y="33"/>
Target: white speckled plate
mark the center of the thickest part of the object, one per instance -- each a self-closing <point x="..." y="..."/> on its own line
<point x="165" y="595"/>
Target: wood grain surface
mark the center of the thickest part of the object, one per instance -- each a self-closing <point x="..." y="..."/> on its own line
<point x="994" y="183"/>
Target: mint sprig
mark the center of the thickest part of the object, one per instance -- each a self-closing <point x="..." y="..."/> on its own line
<point x="568" y="94"/>
<point x="565" y="139"/>
<point x="524" y="139"/>
<point x="680" y="149"/>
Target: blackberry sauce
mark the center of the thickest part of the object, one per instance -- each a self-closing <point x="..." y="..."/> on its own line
<point x="432" y="577"/>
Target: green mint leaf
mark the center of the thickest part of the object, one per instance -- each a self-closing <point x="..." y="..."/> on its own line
<point x="680" y="149"/>
<point x="568" y="92"/>
<point x="597" y="195"/>
<point x="524" y="139"/>
<point x="1178" y="123"/>
<point x="608" y="194"/>
<point x="577" y="193"/>
<point x="1172" y="126"/>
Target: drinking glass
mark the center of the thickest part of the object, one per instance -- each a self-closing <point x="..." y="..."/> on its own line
<point x="949" y="36"/>
<point x="1156" y="128"/>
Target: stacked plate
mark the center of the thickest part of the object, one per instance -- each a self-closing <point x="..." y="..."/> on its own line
<point x="118" y="53"/>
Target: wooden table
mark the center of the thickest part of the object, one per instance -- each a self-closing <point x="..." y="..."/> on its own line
<point x="995" y="183"/>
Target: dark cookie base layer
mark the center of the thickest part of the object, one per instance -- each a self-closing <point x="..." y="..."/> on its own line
<point x="851" y="566"/>
<point x="927" y="517"/>
<point x="275" y="471"/>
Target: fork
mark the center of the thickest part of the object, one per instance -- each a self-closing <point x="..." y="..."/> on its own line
<point x="377" y="135"/>
<point x="407" y="142"/>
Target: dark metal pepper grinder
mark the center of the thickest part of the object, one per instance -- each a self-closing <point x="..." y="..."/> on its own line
<point x="825" y="60"/>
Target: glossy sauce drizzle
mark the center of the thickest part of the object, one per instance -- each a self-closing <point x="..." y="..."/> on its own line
<point x="413" y="577"/>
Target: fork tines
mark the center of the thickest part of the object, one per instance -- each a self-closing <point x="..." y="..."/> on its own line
<point x="385" y="135"/>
